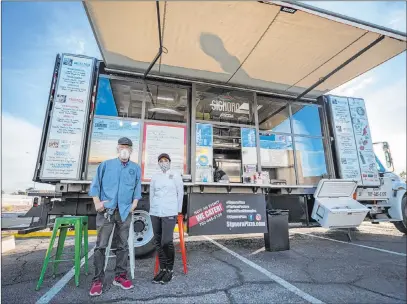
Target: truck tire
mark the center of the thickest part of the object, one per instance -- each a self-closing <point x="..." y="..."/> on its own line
<point x="402" y="226"/>
<point x="143" y="235"/>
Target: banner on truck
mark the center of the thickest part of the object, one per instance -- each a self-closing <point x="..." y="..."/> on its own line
<point x="211" y="214"/>
<point x="64" y="144"/>
<point x="105" y="134"/>
<point x="353" y="141"/>
<point x="164" y="138"/>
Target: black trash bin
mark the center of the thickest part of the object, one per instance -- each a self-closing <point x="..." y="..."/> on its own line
<point x="277" y="238"/>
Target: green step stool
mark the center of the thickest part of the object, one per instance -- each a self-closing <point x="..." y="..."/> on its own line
<point x="62" y="224"/>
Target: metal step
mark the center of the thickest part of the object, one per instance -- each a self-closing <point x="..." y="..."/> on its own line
<point x="384" y="220"/>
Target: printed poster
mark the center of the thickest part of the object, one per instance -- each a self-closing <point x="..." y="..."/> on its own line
<point x="64" y="146"/>
<point x="364" y="145"/>
<point x="163" y="138"/>
<point x="219" y="213"/>
<point x="274" y="150"/>
<point x="353" y="141"/>
<point x="105" y="134"/>
<point x="204" y="153"/>
<point x="345" y="139"/>
<point x="249" y="151"/>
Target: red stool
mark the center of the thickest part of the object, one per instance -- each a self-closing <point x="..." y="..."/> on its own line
<point x="180" y="221"/>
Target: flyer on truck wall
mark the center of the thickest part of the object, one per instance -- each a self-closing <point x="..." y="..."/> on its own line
<point x="364" y="145"/>
<point x="345" y="139"/>
<point x="204" y="152"/>
<point x="274" y="150"/>
<point x="63" y="151"/>
<point x="163" y="138"/>
<point x="105" y="134"/>
<point x="249" y="151"/>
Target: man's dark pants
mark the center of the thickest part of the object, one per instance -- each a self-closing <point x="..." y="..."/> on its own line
<point x="104" y="229"/>
<point x="163" y="228"/>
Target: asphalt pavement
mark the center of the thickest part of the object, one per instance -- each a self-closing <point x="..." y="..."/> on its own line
<point x="320" y="267"/>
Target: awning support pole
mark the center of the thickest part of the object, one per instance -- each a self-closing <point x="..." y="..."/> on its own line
<point x="323" y="79"/>
<point x="160" y="50"/>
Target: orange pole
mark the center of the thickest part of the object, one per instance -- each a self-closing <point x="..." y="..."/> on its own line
<point x="182" y="242"/>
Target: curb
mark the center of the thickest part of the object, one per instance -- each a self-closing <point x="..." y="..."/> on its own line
<point x="49" y="233"/>
<point x="7" y="243"/>
<point x="43" y="234"/>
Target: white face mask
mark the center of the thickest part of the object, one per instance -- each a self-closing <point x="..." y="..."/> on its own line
<point x="165" y="166"/>
<point x="124" y="154"/>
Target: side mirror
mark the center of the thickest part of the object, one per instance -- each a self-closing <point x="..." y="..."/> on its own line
<point x="388" y="157"/>
<point x="383" y="154"/>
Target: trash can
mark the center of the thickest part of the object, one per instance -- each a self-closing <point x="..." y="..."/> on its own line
<point x="277" y="238"/>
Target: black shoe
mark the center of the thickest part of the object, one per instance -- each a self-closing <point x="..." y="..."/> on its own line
<point x="157" y="279"/>
<point x="167" y="277"/>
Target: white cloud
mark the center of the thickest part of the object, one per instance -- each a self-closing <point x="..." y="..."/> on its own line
<point x="353" y="87"/>
<point x="397" y="20"/>
<point x="20" y="142"/>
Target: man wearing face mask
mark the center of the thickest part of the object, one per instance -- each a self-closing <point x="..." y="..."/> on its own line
<point x="116" y="190"/>
<point x="166" y="196"/>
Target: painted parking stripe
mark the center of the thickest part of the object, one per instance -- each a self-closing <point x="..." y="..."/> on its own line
<point x="50" y="294"/>
<point x="268" y="274"/>
<point x="258" y="251"/>
<point x="353" y="244"/>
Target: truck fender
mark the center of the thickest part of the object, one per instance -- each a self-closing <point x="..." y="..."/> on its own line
<point x="396" y="200"/>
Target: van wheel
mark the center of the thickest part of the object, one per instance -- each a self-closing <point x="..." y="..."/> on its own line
<point x="402" y="226"/>
<point x="143" y="234"/>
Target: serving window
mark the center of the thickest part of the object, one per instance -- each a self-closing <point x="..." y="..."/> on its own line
<point x="291" y="141"/>
<point x="224" y="105"/>
<point x="166" y="103"/>
<point x="119" y="98"/>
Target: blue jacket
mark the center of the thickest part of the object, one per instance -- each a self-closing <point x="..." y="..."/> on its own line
<point x="118" y="184"/>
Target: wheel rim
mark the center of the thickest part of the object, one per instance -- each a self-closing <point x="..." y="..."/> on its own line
<point x="143" y="228"/>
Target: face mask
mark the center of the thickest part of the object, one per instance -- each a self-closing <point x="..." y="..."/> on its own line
<point x="165" y="166"/>
<point x="124" y="154"/>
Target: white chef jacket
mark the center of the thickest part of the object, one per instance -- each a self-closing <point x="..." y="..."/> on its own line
<point x="166" y="194"/>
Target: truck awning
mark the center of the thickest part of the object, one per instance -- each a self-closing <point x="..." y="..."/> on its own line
<point x="271" y="45"/>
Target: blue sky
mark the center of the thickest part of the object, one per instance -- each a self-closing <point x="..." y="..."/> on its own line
<point x="34" y="32"/>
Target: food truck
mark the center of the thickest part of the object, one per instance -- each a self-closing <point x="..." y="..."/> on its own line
<point x="236" y="86"/>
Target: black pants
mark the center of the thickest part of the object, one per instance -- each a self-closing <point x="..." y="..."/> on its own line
<point x="104" y="229"/>
<point x="163" y="228"/>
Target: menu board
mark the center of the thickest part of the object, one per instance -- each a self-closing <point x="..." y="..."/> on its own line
<point x="353" y="141"/>
<point x="345" y="139"/>
<point x="105" y="134"/>
<point x="364" y="145"/>
<point x="64" y="145"/>
<point x="163" y="138"/>
<point x="204" y="152"/>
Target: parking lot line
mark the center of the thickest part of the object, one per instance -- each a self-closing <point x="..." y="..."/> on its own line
<point x="258" y="251"/>
<point x="353" y="244"/>
<point x="268" y="274"/>
<point x="50" y="294"/>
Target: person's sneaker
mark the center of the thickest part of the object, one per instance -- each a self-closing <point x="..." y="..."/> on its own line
<point x="157" y="279"/>
<point x="96" y="289"/>
<point x="123" y="282"/>
<point x="167" y="277"/>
